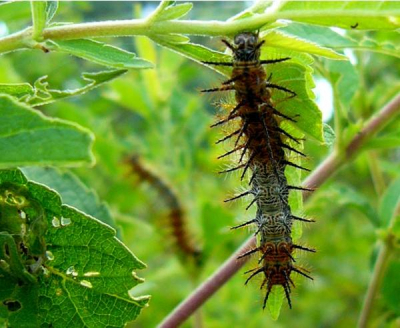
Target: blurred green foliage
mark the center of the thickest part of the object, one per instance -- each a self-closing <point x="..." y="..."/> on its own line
<point x="160" y="115"/>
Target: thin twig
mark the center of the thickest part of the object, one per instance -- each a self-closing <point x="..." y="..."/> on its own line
<point x="320" y="175"/>
<point x="374" y="284"/>
<point x="381" y="265"/>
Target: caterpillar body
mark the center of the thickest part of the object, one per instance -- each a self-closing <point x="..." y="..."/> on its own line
<point x="177" y="221"/>
<point x="264" y="151"/>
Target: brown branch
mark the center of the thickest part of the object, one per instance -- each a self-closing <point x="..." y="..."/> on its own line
<point x="326" y="169"/>
<point x="331" y="164"/>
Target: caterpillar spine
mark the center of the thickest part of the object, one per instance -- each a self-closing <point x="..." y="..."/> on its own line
<point x="264" y="152"/>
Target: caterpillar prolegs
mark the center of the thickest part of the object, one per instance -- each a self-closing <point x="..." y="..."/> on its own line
<point x="264" y="148"/>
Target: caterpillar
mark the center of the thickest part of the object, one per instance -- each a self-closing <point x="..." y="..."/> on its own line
<point x="264" y="151"/>
<point x="176" y="216"/>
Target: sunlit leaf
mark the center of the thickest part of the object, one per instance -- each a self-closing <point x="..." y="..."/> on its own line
<point x="27" y="137"/>
<point x="175" y="11"/>
<point x="100" y="53"/>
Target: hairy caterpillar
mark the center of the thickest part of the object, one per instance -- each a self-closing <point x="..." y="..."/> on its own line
<point x="176" y="216"/>
<point x="264" y="150"/>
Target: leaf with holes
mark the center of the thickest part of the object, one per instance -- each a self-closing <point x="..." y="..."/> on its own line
<point x="63" y="268"/>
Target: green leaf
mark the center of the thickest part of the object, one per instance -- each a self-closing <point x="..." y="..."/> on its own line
<point x="391" y="286"/>
<point x="345" y="82"/>
<point x="396" y="227"/>
<point x="175" y="12"/>
<point x="16" y="89"/>
<point x="389" y="203"/>
<point x="215" y="231"/>
<point x="172" y="38"/>
<point x="294" y="178"/>
<point x="296" y="75"/>
<point x="326" y="37"/>
<point x="197" y="53"/>
<point x="40" y="94"/>
<point x="51" y="10"/>
<point x="86" y="273"/>
<point x="258" y="7"/>
<point x="275" y="301"/>
<point x="329" y="134"/>
<point x="39" y="18"/>
<point x="279" y="39"/>
<point x="72" y="191"/>
<point x="100" y="53"/>
<point x="12" y="11"/>
<point x="383" y="142"/>
<point x="27" y="137"/>
<point x="323" y="36"/>
<point x="351" y="198"/>
<point x="361" y="15"/>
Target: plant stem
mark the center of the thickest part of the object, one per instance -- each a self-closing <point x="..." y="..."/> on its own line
<point x="374" y="284"/>
<point x="38" y="9"/>
<point x="15" y="41"/>
<point x="376" y="173"/>
<point x="194" y="27"/>
<point x="327" y="168"/>
<point x="379" y="271"/>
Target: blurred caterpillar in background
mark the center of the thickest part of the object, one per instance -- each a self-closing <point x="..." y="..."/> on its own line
<point x="264" y="149"/>
<point x="183" y="242"/>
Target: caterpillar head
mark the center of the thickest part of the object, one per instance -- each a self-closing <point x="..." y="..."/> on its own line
<point x="247" y="47"/>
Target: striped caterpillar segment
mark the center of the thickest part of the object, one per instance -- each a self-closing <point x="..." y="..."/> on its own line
<point x="263" y="148"/>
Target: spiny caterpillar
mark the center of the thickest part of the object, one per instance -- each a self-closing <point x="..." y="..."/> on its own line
<point x="176" y="218"/>
<point x="264" y="150"/>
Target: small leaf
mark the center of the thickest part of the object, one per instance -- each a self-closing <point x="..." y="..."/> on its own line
<point x="16" y="89"/>
<point x="51" y="10"/>
<point x="329" y="134"/>
<point x="282" y="40"/>
<point x="100" y="53"/>
<point x="175" y="12"/>
<point x="257" y="7"/>
<point x="389" y="203"/>
<point x="27" y="137"/>
<point x="39" y="19"/>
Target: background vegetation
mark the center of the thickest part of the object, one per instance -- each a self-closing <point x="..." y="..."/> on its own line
<point x="160" y="116"/>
